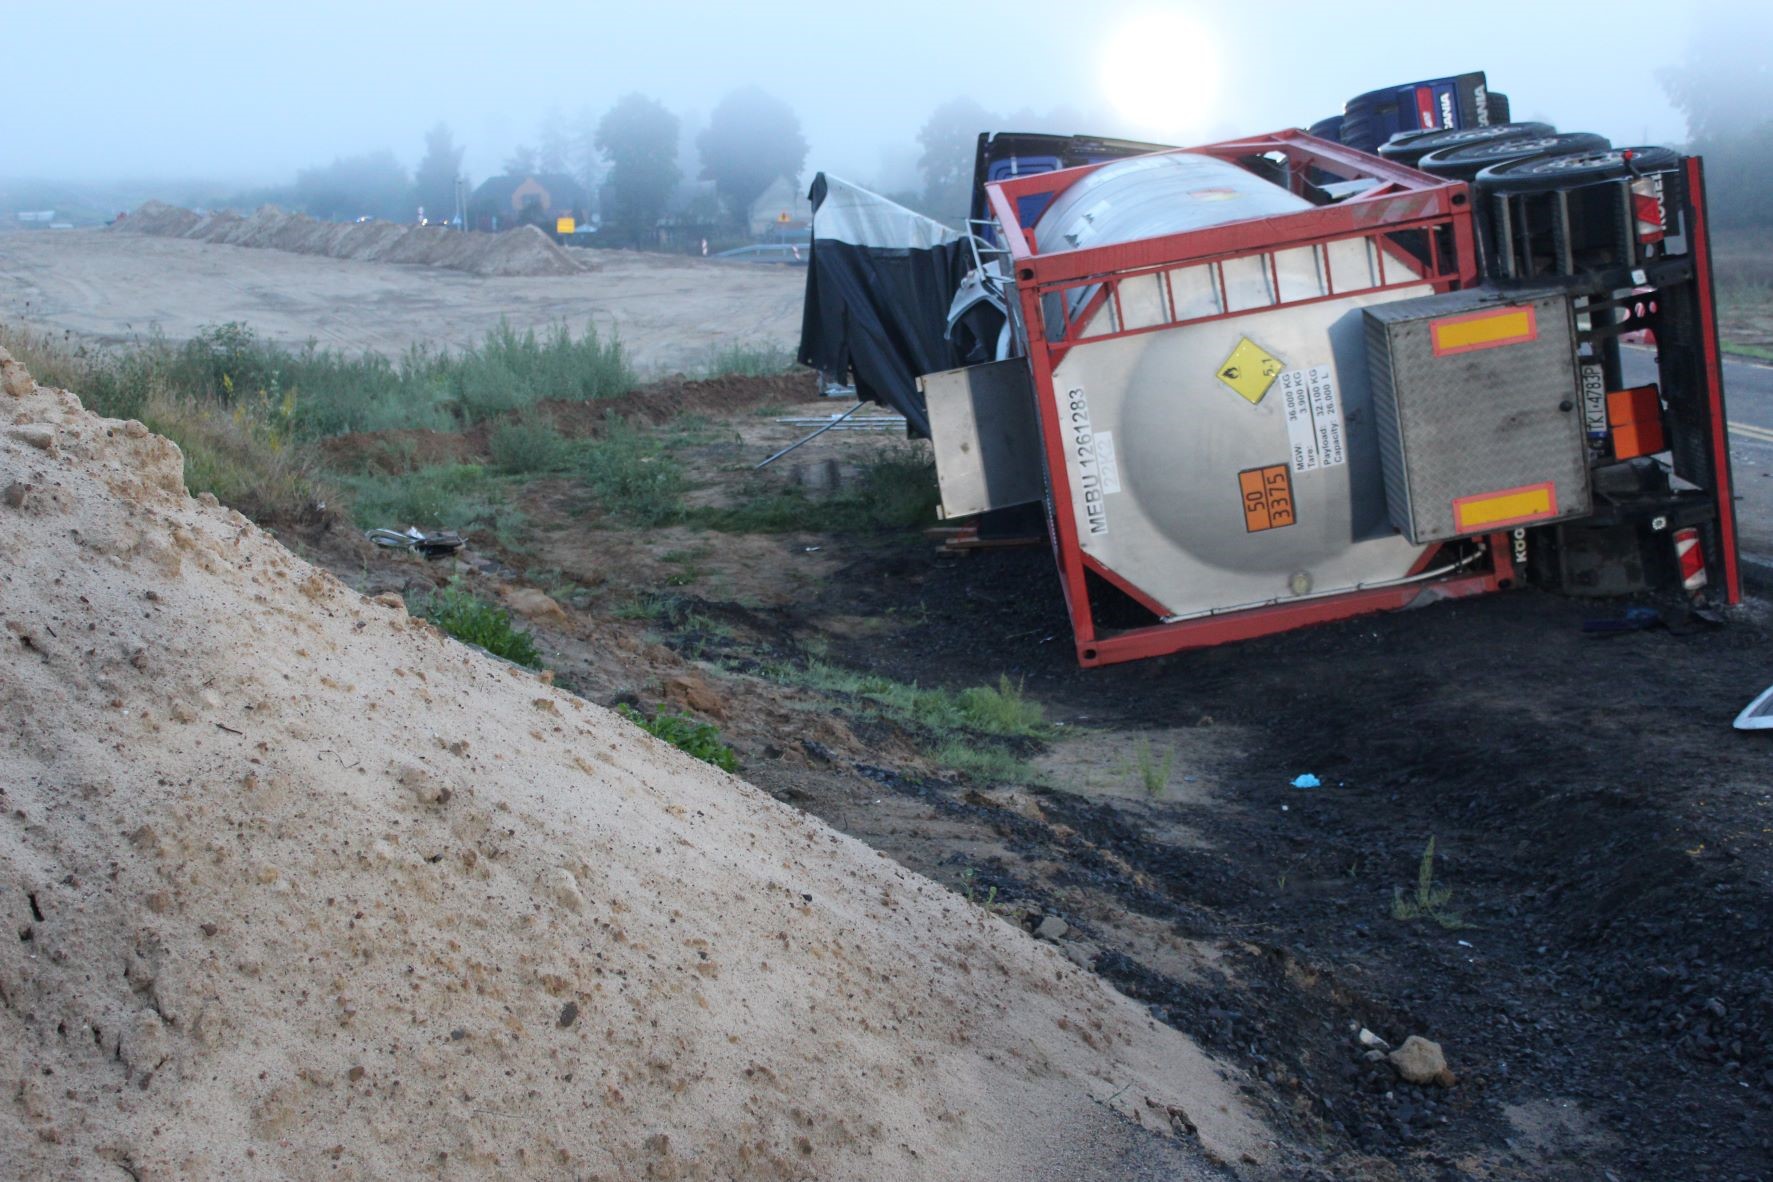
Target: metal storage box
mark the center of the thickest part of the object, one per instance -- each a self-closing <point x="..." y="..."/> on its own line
<point x="1476" y="402"/>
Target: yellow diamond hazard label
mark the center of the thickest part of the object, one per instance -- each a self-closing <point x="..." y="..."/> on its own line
<point x="1250" y="370"/>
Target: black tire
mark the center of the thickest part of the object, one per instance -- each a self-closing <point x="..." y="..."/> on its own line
<point x="1464" y="162"/>
<point x="1545" y="174"/>
<point x="1327" y="129"/>
<point x="1411" y="146"/>
<point x="1498" y="108"/>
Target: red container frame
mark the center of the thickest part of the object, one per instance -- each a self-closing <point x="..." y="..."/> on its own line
<point x="1401" y="200"/>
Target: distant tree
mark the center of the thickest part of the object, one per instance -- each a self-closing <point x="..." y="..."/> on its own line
<point x="555" y="142"/>
<point x="639" y="138"/>
<point x="583" y="162"/>
<point x="1726" y="92"/>
<point x="521" y="161"/>
<point x="950" y="140"/>
<point x="371" y="185"/>
<point x="434" y="184"/>
<point x="751" y="139"/>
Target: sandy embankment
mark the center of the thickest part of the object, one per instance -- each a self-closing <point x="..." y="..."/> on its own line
<point x="300" y="888"/>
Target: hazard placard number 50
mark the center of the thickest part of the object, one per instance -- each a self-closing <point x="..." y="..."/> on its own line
<point x="1268" y="497"/>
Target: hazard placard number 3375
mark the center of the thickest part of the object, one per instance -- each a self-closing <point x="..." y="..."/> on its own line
<point x="1268" y="497"/>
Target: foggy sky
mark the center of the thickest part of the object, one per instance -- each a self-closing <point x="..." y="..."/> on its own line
<point x="247" y="92"/>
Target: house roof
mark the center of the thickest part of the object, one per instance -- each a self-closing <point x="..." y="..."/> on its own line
<point x="563" y="189"/>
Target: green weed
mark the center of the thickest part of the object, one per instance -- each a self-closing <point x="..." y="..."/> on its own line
<point x="1154" y="773"/>
<point x="968" y="881"/>
<point x="1429" y="899"/>
<point x="472" y="620"/>
<point x="699" y="739"/>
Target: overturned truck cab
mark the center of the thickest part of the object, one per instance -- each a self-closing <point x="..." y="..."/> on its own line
<point x="1276" y="381"/>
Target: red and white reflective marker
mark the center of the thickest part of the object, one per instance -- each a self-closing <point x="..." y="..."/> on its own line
<point x="1690" y="557"/>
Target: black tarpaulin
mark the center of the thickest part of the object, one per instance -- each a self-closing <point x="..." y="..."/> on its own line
<point x="878" y="289"/>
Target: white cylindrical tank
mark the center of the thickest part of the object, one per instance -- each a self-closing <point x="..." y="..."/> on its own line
<point x="1145" y="196"/>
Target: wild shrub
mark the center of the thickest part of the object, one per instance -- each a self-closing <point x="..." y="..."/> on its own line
<point x="528" y="445"/>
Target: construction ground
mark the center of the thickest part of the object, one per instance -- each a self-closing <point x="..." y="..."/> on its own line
<point x="303" y="888"/>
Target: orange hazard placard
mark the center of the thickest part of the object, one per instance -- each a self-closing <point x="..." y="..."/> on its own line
<point x="1268" y="497"/>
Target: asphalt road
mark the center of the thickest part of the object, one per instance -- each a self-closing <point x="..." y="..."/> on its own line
<point x="1748" y="398"/>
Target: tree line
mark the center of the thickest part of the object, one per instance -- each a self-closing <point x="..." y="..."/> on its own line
<point x="631" y="154"/>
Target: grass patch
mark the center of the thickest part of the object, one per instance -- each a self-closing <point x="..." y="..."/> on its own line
<point x="974" y="730"/>
<point x="778" y="511"/>
<point x="630" y="478"/>
<point x="986" y="762"/>
<point x="245" y="411"/>
<point x="748" y="361"/>
<point x="322" y="392"/>
<point x="999" y="711"/>
<point x="443" y="496"/>
<point x="894" y="491"/>
<point x="472" y="620"/>
<point x="699" y="739"/>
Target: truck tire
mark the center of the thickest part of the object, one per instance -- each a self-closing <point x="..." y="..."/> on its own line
<point x="1498" y="108"/>
<point x="1547" y="173"/>
<point x="1411" y="146"/>
<point x="1327" y="129"/>
<point x="1463" y="162"/>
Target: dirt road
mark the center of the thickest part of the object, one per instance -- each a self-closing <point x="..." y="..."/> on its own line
<point x="669" y="312"/>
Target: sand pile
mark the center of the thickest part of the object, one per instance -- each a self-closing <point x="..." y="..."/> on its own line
<point x="298" y="888"/>
<point x="523" y="251"/>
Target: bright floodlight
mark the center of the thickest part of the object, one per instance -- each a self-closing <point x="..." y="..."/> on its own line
<point x="1160" y="69"/>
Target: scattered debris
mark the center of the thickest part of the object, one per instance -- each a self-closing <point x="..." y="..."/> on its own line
<point x="430" y="545"/>
<point x="1758" y="714"/>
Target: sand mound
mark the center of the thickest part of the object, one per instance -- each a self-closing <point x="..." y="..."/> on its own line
<point x="157" y="217"/>
<point x="523" y="251"/>
<point x="299" y="888"/>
